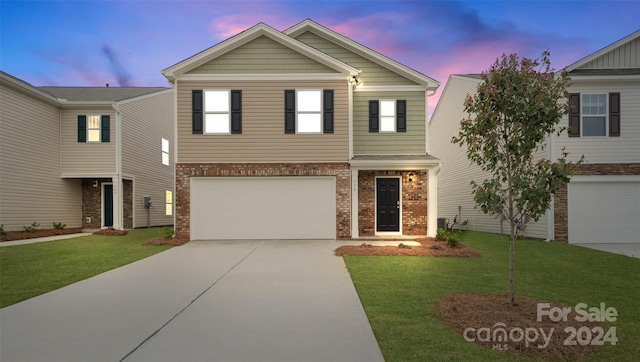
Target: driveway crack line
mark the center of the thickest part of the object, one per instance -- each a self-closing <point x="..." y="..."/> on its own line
<point x="191" y="303"/>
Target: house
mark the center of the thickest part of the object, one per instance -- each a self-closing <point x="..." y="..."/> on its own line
<point x="85" y="156"/>
<point x="601" y="204"/>
<point x="301" y="134"/>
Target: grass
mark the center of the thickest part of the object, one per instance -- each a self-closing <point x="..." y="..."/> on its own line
<point x="399" y="294"/>
<point x="29" y="270"/>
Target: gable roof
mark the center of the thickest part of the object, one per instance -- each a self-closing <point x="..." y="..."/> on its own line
<point x="99" y="94"/>
<point x="261" y="29"/>
<point x="382" y="60"/>
<point x="605" y="50"/>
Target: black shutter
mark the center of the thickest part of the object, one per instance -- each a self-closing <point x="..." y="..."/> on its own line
<point x="327" y="111"/>
<point x="401" y="116"/>
<point x="196" y="109"/>
<point x="82" y="128"/>
<point x="105" y="127"/>
<point x="574" y="115"/>
<point x="289" y="111"/>
<point x="374" y="116"/>
<point x="614" y="114"/>
<point x="236" y="111"/>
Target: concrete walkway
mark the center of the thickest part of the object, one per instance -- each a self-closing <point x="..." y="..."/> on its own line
<point x="43" y="239"/>
<point x="204" y="301"/>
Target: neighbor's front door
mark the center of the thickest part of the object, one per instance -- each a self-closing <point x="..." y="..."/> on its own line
<point x="107" y="203"/>
<point x="388" y="204"/>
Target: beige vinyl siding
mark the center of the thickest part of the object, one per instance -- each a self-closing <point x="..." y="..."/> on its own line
<point x="87" y="158"/>
<point x="30" y="185"/>
<point x="263" y="138"/>
<point x="401" y="143"/>
<point x="373" y="74"/>
<point x="261" y="55"/>
<point x="454" y="189"/>
<point x="145" y="122"/>
<point x="625" y="56"/>
<point x="622" y="149"/>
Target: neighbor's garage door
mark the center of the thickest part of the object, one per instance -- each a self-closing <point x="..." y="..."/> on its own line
<point x="604" y="212"/>
<point x="263" y="208"/>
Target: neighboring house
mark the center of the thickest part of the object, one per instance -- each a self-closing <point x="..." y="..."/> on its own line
<point x="85" y="156"/>
<point x="602" y="203"/>
<point x="301" y="134"/>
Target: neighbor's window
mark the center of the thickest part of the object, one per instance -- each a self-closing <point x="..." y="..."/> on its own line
<point x="387" y="115"/>
<point x="594" y="115"/>
<point x="165" y="152"/>
<point x="93" y="128"/>
<point x="309" y="111"/>
<point x="168" y="210"/>
<point x="216" y="106"/>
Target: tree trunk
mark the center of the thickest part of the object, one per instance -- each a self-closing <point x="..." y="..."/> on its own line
<point x="512" y="267"/>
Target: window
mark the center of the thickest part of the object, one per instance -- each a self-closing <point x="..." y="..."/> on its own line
<point x="165" y="152"/>
<point x="217" y="116"/>
<point x="387" y="116"/>
<point x="168" y="209"/>
<point x="93" y="128"/>
<point x="594" y="115"/>
<point x="309" y="109"/>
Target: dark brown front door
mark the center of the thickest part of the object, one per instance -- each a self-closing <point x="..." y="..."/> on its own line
<point x="388" y="204"/>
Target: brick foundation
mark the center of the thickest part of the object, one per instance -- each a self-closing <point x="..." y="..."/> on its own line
<point x="184" y="171"/>
<point x="127" y="204"/>
<point x="561" y="207"/>
<point x="414" y="201"/>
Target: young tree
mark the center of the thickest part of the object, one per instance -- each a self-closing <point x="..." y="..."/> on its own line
<point x="517" y="106"/>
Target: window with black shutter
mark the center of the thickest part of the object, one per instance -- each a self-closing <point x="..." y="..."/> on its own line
<point x="388" y="116"/>
<point x="308" y="111"/>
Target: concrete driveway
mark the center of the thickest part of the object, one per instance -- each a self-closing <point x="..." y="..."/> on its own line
<point x="203" y="301"/>
<point x="628" y="249"/>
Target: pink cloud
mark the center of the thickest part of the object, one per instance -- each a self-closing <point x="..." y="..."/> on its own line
<point x="227" y="26"/>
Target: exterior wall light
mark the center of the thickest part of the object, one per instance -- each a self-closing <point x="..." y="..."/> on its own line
<point x="411" y="177"/>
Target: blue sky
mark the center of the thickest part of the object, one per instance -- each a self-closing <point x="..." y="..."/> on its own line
<point x="128" y="43"/>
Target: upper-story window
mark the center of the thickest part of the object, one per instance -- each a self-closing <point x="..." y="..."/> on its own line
<point x="216" y="111"/>
<point x="308" y="111"/>
<point x="388" y="116"/>
<point x="594" y="115"/>
<point x="93" y="128"/>
<point x="165" y="152"/>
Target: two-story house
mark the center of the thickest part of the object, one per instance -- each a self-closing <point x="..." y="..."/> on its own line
<point x="601" y="204"/>
<point x="301" y="134"/>
<point x="85" y="156"/>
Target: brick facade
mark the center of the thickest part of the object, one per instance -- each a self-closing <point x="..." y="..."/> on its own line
<point x="92" y="203"/>
<point x="414" y="201"/>
<point x="127" y="204"/>
<point x="184" y="171"/>
<point x="561" y="206"/>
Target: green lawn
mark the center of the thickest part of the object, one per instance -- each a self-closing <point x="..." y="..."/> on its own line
<point x="399" y="294"/>
<point x="33" y="269"/>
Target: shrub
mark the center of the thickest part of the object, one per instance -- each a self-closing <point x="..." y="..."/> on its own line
<point x="453" y="238"/>
<point x="31" y="228"/>
<point x="2" y="232"/>
<point x="441" y="235"/>
<point x="168" y="233"/>
<point x="59" y="226"/>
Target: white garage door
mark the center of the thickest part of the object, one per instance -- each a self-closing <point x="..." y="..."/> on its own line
<point x="263" y="208"/>
<point x="604" y="212"/>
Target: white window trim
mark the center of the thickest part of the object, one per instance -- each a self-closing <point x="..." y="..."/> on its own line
<point x="606" y="114"/>
<point x="99" y="128"/>
<point x="168" y="203"/>
<point x="307" y="112"/>
<point x="204" y="118"/>
<point x="395" y="116"/>
<point x="164" y="140"/>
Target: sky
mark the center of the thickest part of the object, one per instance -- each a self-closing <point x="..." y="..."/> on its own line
<point x="129" y="43"/>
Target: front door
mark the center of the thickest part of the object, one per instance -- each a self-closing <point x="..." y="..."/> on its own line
<point x="388" y="204"/>
<point x="107" y="203"/>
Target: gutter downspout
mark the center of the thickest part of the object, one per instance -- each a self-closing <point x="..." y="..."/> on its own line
<point x="427" y="120"/>
<point x="551" y="217"/>
<point x="118" y="188"/>
<point x="432" y="201"/>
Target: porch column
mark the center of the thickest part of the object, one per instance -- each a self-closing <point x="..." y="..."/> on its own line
<point x="117" y="202"/>
<point x="432" y="203"/>
<point x="354" y="203"/>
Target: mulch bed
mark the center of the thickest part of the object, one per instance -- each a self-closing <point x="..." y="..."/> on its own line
<point x="23" y="235"/>
<point x="428" y="247"/>
<point x="493" y="312"/>
<point x="176" y="241"/>
<point x="111" y="232"/>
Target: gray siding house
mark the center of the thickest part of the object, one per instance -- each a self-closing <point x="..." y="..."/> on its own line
<point x="601" y="204"/>
<point x="89" y="157"/>
<point x="301" y="134"/>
